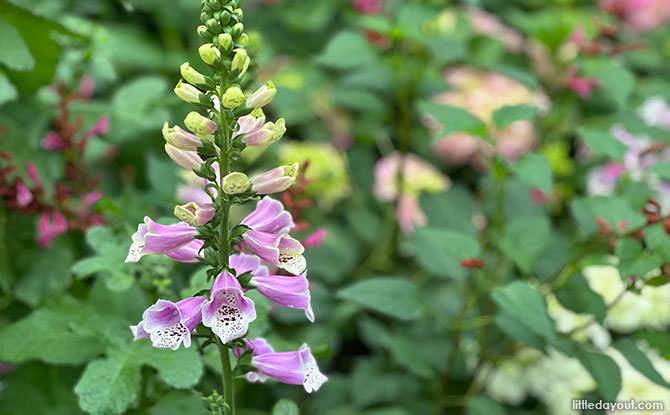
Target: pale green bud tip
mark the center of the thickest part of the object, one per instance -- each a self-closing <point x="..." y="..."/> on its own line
<point x="209" y="53"/>
<point x="262" y="96"/>
<point x="257" y="113"/>
<point x="199" y="124"/>
<point x="194" y="214"/>
<point x="233" y="97"/>
<point x="292" y="170"/>
<point x="191" y="75"/>
<point x="225" y="41"/>
<point x="235" y="183"/>
<point x="240" y="62"/>
<point x="187" y="92"/>
<point x="243" y="40"/>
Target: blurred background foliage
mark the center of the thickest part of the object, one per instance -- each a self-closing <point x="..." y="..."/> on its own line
<point x="480" y="168"/>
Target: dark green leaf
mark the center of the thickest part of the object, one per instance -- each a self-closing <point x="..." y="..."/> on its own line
<point x="440" y="251"/>
<point x="534" y="170"/>
<point x="639" y="360"/>
<point x="525" y="304"/>
<point x="347" y="50"/>
<point x="508" y="114"/>
<point x="604" y="371"/>
<point x="394" y="297"/>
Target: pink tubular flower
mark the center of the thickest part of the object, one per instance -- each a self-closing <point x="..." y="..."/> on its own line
<point x="53" y="141"/>
<point x="228" y="312"/>
<point x="259" y="133"/>
<point x="169" y="324"/>
<point x="153" y="238"/>
<point x="92" y="197"/>
<point x="34" y="175"/>
<point x="23" y="195"/>
<point x="582" y="86"/>
<point x="86" y="86"/>
<point x="50" y="227"/>
<point x="294" y="368"/>
<point x="257" y="347"/>
<point x="640" y="15"/>
<point x="100" y="127"/>
<point x="189" y="160"/>
<point x="316" y="238"/>
<point x="276" y="180"/>
<point x="268" y="236"/>
<point x="368" y="6"/>
<point x="187" y="253"/>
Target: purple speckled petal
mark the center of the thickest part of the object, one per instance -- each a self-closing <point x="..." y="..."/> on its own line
<point x="187" y="253"/>
<point x="138" y="331"/>
<point x="243" y="263"/>
<point x="291" y="292"/>
<point x="229" y="312"/>
<point x="153" y="238"/>
<point x="163" y="322"/>
<point x="295" y="368"/>
<point x="290" y="255"/>
<point x="265" y="245"/>
<point x="190" y="309"/>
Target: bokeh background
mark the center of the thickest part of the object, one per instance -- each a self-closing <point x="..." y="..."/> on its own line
<point x="484" y="198"/>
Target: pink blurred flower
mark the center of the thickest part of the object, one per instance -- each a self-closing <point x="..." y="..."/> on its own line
<point x="34" y="175"/>
<point x="53" y="141"/>
<point x="640" y="15"/>
<point x="49" y="227"/>
<point x="409" y="214"/>
<point x="581" y="85"/>
<point x="368" y="6"/>
<point x="86" y="86"/>
<point x="92" y="197"/>
<point x="100" y="127"/>
<point x="488" y="24"/>
<point x="23" y="195"/>
<point x="316" y="238"/>
<point x="602" y="180"/>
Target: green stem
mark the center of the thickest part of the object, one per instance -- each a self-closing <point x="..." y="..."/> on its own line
<point x="228" y="381"/>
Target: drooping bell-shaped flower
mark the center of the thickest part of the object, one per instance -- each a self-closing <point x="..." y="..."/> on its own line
<point x="290" y="292"/>
<point x="276" y="180"/>
<point x="169" y="324"/>
<point x="153" y="238"/>
<point x="194" y="214"/>
<point x="228" y="312"/>
<point x="262" y="96"/>
<point x="294" y="368"/>
<point x="268" y="236"/>
<point x="23" y="195"/>
<point x="187" y="92"/>
<point x="189" y="160"/>
<point x="258" y="347"/>
<point x="187" y="253"/>
<point x="257" y="132"/>
<point x="191" y="75"/>
<point x="180" y="138"/>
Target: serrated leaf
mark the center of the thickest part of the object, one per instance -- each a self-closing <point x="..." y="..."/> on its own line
<point x="108" y="386"/>
<point x="525" y="304"/>
<point x="604" y="143"/>
<point x="285" y="407"/>
<point x="393" y="297"/>
<point x="509" y="114"/>
<point x="440" y="251"/>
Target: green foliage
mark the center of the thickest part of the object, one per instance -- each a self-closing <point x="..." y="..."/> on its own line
<point x="394" y="297"/>
<point x="441" y="251"/>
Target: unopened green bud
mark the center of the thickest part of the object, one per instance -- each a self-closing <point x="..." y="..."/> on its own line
<point x="225" y="42"/>
<point x="187" y="92"/>
<point x="239" y="13"/>
<point x="204" y="17"/>
<point x="214" y="4"/>
<point x="204" y="33"/>
<point x="235" y="183"/>
<point x="199" y="124"/>
<point x="209" y="53"/>
<point x="194" y="214"/>
<point x="233" y="97"/>
<point x="213" y="26"/>
<point x="243" y="40"/>
<point x="224" y="18"/>
<point x="262" y="96"/>
<point x="238" y="29"/>
<point x="240" y="62"/>
<point x="191" y="75"/>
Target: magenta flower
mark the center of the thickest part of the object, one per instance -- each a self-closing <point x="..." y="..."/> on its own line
<point x="100" y="127"/>
<point x="228" y="312"/>
<point x="269" y="239"/>
<point x="153" y="238"/>
<point x="34" y="175"/>
<point x="50" y="227"/>
<point x="258" y="347"/>
<point x="169" y="324"/>
<point x="294" y="368"/>
<point x="368" y="6"/>
<point x="187" y="253"/>
<point x="315" y="239"/>
<point x="23" y="195"/>
<point x="53" y="141"/>
<point x="86" y="86"/>
<point x="286" y="291"/>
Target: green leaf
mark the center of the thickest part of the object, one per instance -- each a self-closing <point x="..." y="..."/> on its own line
<point x="577" y="296"/>
<point x="8" y="91"/>
<point x="440" y="251"/>
<point x="453" y="119"/>
<point x="48" y="273"/>
<point x="525" y="239"/>
<point x="616" y="211"/>
<point x="285" y="407"/>
<point x="662" y="169"/>
<point x="516" y="329"/>
<point x="108" y="386"/>
<point x="135" y="107"/>
<point x="48" y="334"/>
<point x="604" y="371"/>
<point x="535" y="171"/>
<point x="393" y="297"/>
<point x="508" y="114"/>
<point x="525" y="304"/>
<point x="181" y="368"/>
<point x="602" y="142"/>
<point x="347" y="50"/>
<point x="179" y="403"/>
<point x="614" y="79"/>
<point x="14" y="52"/>
<point x="639" y="360"/>
<point x="483" y="405"/>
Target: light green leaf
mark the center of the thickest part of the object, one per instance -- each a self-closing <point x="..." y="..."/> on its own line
<point x="508" y="114"/>
<point x="639" y="360"/>
<point x="14" y="52"/>
<point x="525" y="239"/>
<point x="604" y="371"/>
<point x="483" y="405"/>
<point x="662" y="169"/>
<point x="616" y="211"/>
<point x="135" y="107"/>
<point x="602" y="142"/>
<point x="394" y="297"/>
<point x="535" y="171"/>
<point x="108" y="386"/>
<point x="47" y="274"/>
<point x="285" y="407"/>
<point x="181" y="368"/>
<point x="179" y="403"/>
<point x="347" y="50"/>
<point x="615" y="80"/>
<point x="440" y="251"/>
<point x="8" y="91"/>
<point x="454" y="119"/>
<point x="525" y="304"/>
<point x="47" y="334"/>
